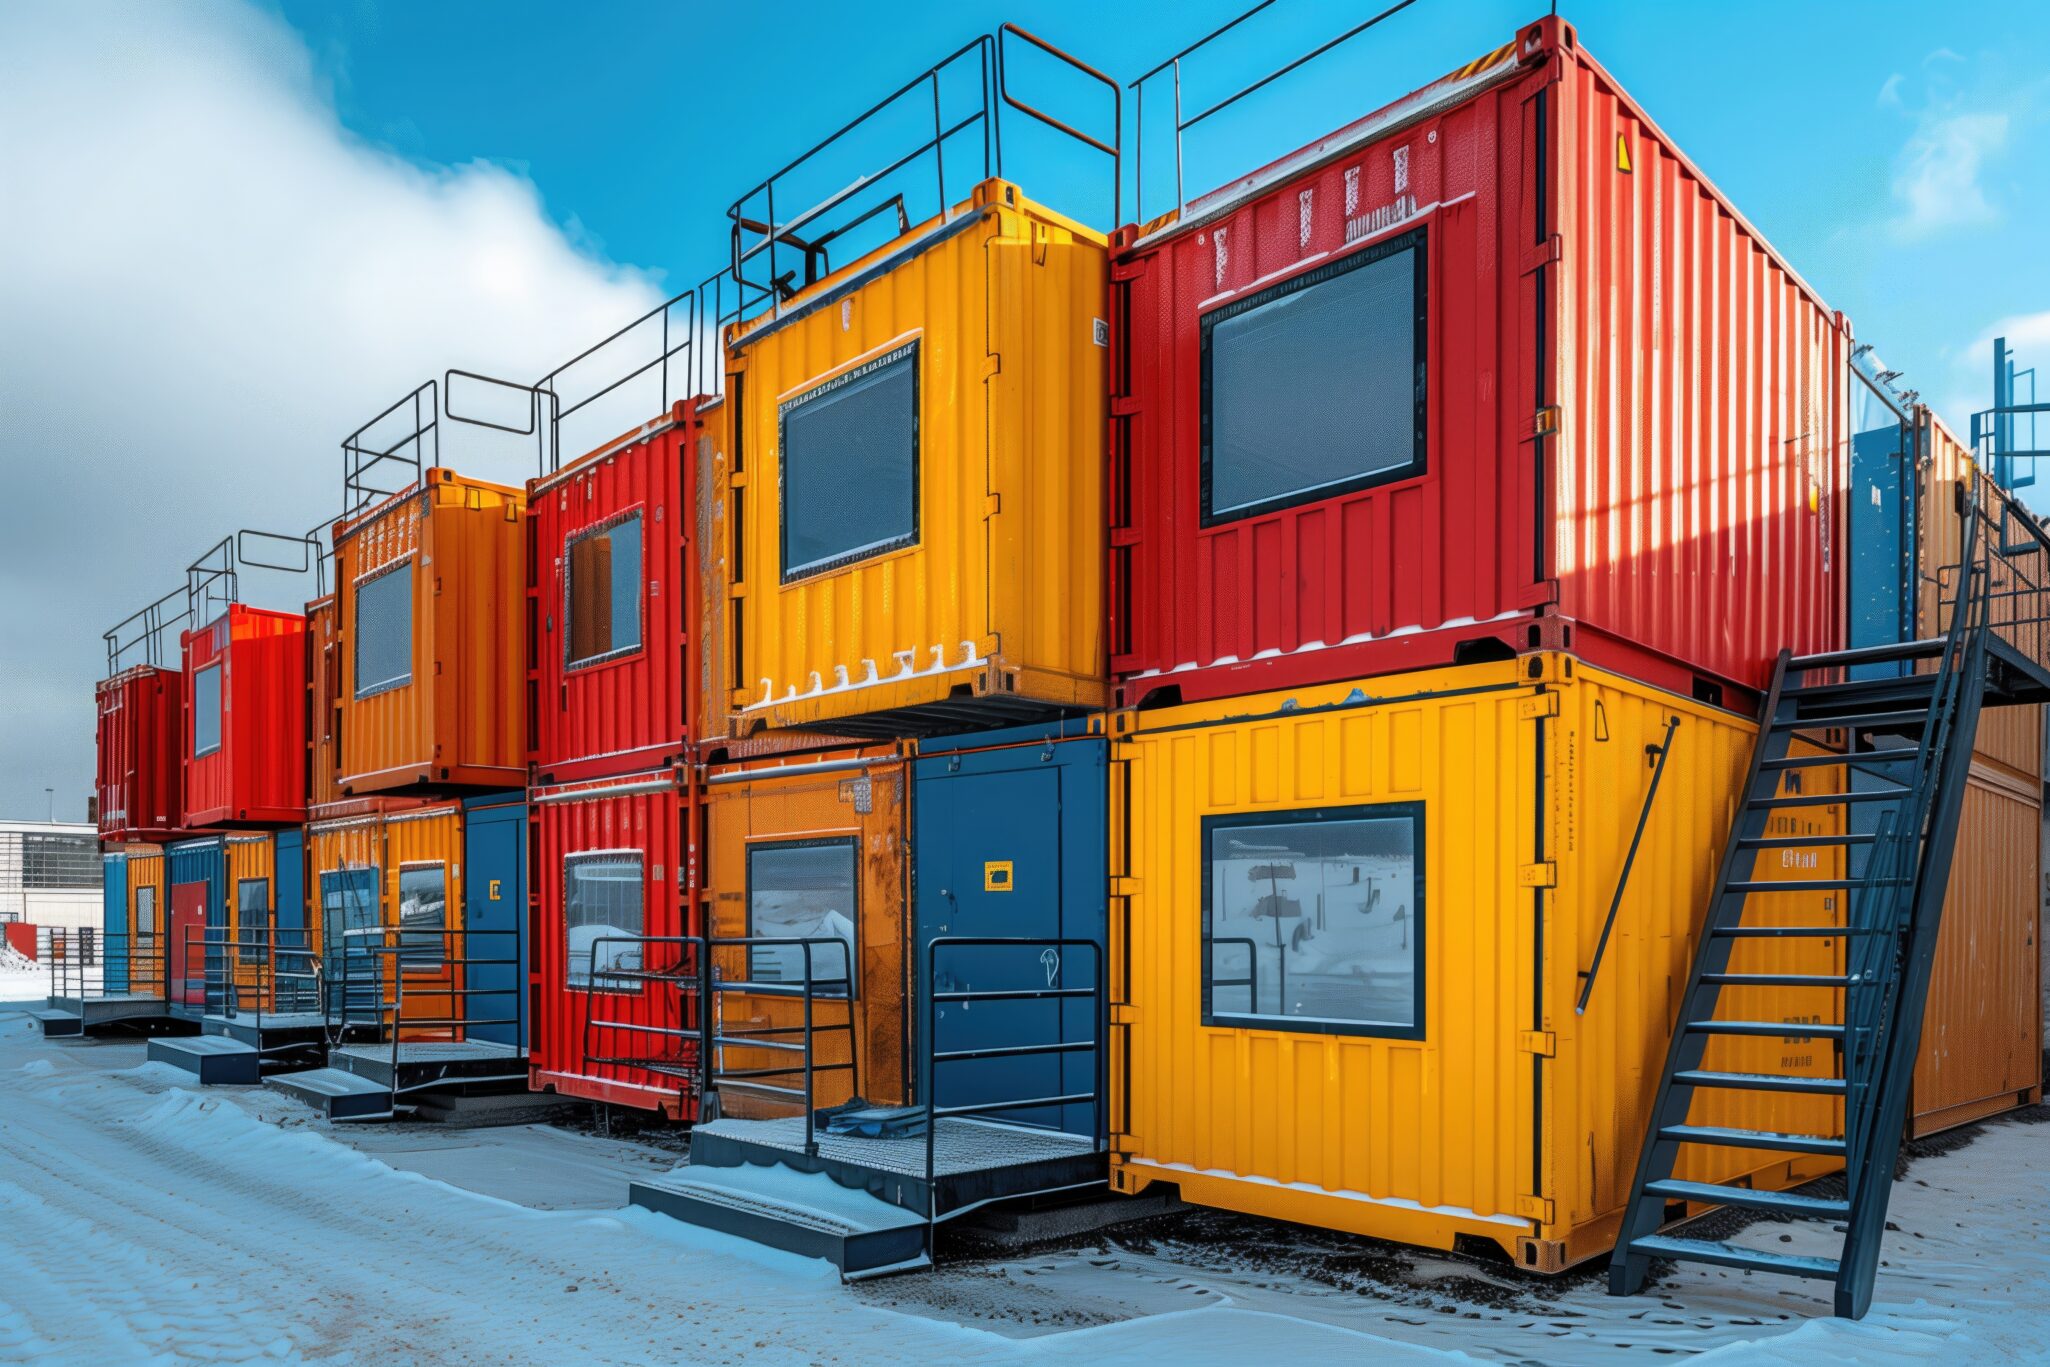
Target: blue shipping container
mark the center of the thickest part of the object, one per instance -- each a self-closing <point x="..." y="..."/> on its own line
<point x="495" y="915"/>
<point x="114" y="922"/>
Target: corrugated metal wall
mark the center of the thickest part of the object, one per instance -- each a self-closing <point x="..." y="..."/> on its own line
<point x="141" y="772"/>
<point x="1002" y="588"/>
<point x="257" y="775"/>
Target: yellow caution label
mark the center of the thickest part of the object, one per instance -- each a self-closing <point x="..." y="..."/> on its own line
<point x="1623" y="153"/>
<point x="996" y="876"/>
<point x="494" y="889"/>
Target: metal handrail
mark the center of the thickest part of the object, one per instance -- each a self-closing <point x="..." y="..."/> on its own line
<point x="1601" y="945"/>
<point x="389" y="1019"/>
<point x="1183" y="123"/>
<point x="688" y="977"/>
<point x="770" y="1038"/>
<point x="417" y="449"/>
<point x="213" y="581"/>
<point x="152" y="628"/>
<point x="811" y="232"/>
<point x="933" y="1056"/>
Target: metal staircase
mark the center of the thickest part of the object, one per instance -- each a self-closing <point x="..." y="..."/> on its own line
<point x="1894" y="799"/>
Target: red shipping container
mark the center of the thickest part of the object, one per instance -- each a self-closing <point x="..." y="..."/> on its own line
<point x="141" y="778"/>
<point x="323" y="693"/>
<point x="613" y="581"/>
<point x="1492" y="370"/>
<point x="244" y="734"/>
<point x="612" y="877"/>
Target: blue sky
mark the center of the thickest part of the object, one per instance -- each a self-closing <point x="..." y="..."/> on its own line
<point x="236" y="228"/>
<point x="1897" y="153"/>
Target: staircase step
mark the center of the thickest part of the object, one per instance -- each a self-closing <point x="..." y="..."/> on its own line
<point x="215" y="1060"/>
<point x="340" y="1095"/>
<point x="1859" y="721"/>
<point x="1801" y="842"/>
<point x="1766" y="1029"/>
<point x="1826" y="799"/>
<point x="1782" y="1202"/>
<point x="1761" y="1082"/>
<point x="1899" y="688"/>
<point x="1899" y="755"/>
<point x="804" y="1213"/>
<point x="1792" y="932"/>
<point x="1733" y="1255"/>
<point x="1775" y="1140"/>
<point x="1813" y="884"/>
<point x="1864" y="655"/>
<point x="1776" y="980"/>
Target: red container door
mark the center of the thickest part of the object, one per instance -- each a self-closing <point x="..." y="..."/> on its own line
<point x="187" y="979"/>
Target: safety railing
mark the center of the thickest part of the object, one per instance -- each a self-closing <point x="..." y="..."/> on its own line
<point x="891" y="169"/>
<point x="259" y="974"/>
<point x="1183" y="120"/>
<point x="369" y="982"/>
<point x="2012" y="556"/>
<point x="213" y="581"/>
<point x="393" y="451"/>
<point x="662" y="980"/>
<point x="149" y="635"/>
<point x="1059" y="1046"/>
<point x="75" y="975"/>
<point x="801" y="1040"/>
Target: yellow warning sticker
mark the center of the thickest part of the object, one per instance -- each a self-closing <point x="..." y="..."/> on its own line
<point x="996" y="876"/>
<point x="1623" y="153"/>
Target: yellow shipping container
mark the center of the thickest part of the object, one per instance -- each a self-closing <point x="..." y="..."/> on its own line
<point x="1355" y="925"/>
<point x="148" y="906"/>
<point x="365" y="871"/>
<point x="913" y="485"/>
<point x="251" y="874"/>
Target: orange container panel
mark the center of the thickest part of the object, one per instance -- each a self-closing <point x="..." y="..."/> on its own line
<point x="148" y="910"/>
<point x="802" y="848"/>
<point x="323" y="695"/>
<point x="1982" y="1029"/>
<point x="252" y="890"/>
<point x="432" y="623"/>
<point x="1381" y="1034"/>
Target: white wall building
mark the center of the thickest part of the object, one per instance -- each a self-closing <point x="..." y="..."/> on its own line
<point x="50" y="873"/>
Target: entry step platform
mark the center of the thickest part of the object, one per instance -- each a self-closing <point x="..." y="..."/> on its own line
<point x="442" y="1065"/>
<point x="301" y="1035"/>
<point x="215" y="1060"/>
<point x="61" y="1024"/>
<point x="806" y="1213"/>
<point x="337" y="1094"/>
<point x="125" y="1010"/>
<point x="974" y="1161"/>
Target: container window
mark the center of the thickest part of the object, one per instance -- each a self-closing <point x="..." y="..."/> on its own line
<point x="1313" y="920"/>
<point x="602" y="907"/>
<point x="252" y="920"/>
<point x="146" y="920"/>
<point x="1315" y="387"/>
<point x="59" y="861"/>
<point x="423" y="916"/>
<point x="601" y="592"/>
<point x="804" y="889"/>
<point x="384" y="630"/>
<point x="206" y="711"/>
<point x="850" y="466"/>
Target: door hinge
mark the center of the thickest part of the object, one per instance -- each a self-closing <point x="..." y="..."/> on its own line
<point x="1541" y="1042"/>
<point x="737" y="480"/>
<point x="1538" y="706"/>
<point x="1125" y="1143"/>
<point x="1545" y="422"/>
<point x="1122" y="1013"/>
<point x="1124" y="885"/>
<point x="1540" y="875"/>
<point x="992" y="365"/>
<point x="1538" y="1208"/>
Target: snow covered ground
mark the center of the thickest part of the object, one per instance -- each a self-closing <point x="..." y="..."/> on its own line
<point x="143" y="1220"/>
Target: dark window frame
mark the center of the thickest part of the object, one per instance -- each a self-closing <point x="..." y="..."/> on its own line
<point x="1419" y="462"/>
<point x="747" y="906"/>
<point x="569" y="861"/>
<point x="146" y="931"/>
<point x="242" y="946"/>
<point x="815" y="569"/>
<point x="442" y="944"/>
<point x="1414" y="812"/>
<point x="408" y="562"/>
<point x="218" y="670"/>
<point x="570" y="664"/>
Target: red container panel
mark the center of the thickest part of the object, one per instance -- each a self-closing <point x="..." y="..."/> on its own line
<point x="1630" y="412"/>
<point x="141" y="773"/>
<point x="252" y="772"/>
<point x="627" y="1044"/>
<point x="595" y="711"/>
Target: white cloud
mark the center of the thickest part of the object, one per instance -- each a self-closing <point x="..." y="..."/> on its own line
<point x="1937" y="174"/>
<point x="204" y="282"/>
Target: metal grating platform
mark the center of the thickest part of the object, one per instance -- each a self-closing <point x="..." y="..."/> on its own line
<point x="431" y="1051"/>
<point x="959" y="1146"/>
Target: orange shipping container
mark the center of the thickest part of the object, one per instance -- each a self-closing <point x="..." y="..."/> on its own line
<point x="433" y="666"/>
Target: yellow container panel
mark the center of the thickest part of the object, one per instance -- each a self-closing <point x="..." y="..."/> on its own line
<point x="459" y="717"/>
<point x="149" y="907"/>
<point x="251" y="859"/>
<point x="427" y="841"/>
<point x="862" y="811"/>
<point x="998" y="594"/>
<point x="1433" y="1136"/>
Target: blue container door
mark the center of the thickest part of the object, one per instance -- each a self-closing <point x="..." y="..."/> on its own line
<point x="1882" y="607"/>
<point x="495" y="921"/>
<point x="293" y="955"/>
<point x="1011" y="843"/>
<point x="350" y="966"/>
<point x="114" y="922"/>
